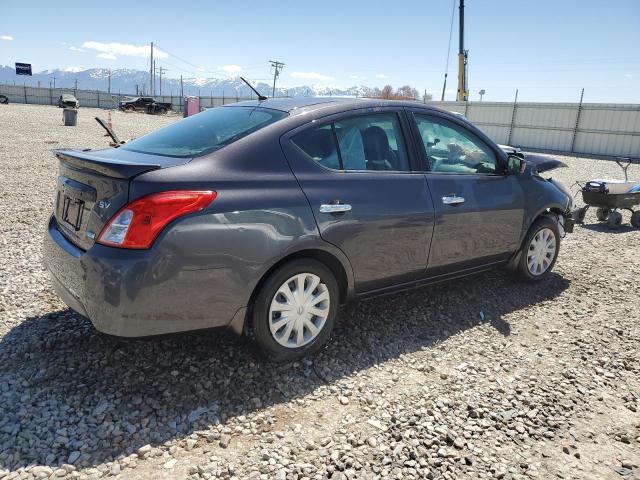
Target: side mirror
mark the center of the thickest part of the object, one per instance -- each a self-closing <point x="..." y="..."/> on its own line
<point x="516" y="165"/>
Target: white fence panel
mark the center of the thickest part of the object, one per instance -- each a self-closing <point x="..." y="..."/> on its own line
<point x="601" y="129"/>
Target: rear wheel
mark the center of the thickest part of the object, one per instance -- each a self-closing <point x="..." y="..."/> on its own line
<point x="295" y="309"/>
<point x="129" y="108"/>
<point x="602" y="214"/>
<point x="539" y="250"/>
<point x="635" y="219"/>
<point x="615" y="219"/>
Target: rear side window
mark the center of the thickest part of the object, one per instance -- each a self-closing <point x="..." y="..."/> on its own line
<point x="362" y="143"/>
<point x="206" y="132"/>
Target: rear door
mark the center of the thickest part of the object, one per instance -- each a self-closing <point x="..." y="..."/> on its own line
<point x="356" y="171"/>
<point x="479" y="209"/>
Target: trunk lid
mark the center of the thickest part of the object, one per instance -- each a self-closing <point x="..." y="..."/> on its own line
<point x="93" y="185"/>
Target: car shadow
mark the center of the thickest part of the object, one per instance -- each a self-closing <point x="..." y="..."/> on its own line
<point x="66" y="388"/>
<point x="604" y="228"/>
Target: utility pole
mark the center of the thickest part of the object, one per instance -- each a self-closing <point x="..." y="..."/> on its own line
<point x="181" y="93"/>
<point x="277" y="66"/>
<point x="160" y="69"/>
<point x="109" y="90"/>
<point x="76" y="85"/>
<point x="463" y="93"/>
<point x="54" y="82"/>
<point x="151" y="71"/>
<point x="154" y="79"/>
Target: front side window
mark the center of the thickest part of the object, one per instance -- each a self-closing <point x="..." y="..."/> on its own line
<point x="205" y="132"/>
<point x="365" y="143"/>
<point x="450" y="149"/>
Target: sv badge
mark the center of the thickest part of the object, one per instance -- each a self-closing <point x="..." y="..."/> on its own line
<point x="104" y="204"/>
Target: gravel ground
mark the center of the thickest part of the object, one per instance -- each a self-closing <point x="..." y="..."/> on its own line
<point x="475" y="378"/>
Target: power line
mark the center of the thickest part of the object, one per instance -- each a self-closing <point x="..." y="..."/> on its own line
<point x="446" y="70"/>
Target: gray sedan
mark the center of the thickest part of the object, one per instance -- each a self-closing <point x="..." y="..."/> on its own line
<point x="266" y="216"/>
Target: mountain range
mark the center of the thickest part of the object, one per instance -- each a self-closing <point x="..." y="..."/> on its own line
<point x="128" y="81"/>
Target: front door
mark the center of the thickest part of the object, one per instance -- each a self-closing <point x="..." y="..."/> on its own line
<point x="479" y="208"/>
<point x="355" y="170"/>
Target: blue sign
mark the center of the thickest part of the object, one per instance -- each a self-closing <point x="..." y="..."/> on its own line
<point x="23" y="69"/>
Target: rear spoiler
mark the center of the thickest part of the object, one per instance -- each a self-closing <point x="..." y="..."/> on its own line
<point x="106" y="166"/>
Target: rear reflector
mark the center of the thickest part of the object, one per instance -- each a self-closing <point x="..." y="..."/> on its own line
<point x="137" y="224"/>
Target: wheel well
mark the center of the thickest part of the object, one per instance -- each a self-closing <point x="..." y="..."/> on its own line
<point x="327" y="259"/>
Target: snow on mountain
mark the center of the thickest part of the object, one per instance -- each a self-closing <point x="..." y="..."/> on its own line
<point x="129" y="81"/>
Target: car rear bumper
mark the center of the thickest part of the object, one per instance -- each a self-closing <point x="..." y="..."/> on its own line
<point x="136" y="293"/>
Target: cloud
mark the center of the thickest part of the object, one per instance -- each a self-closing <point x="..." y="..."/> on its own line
<point x="628" y="75"/>
<point x="123" y="49"/>
<point x="6" y="37"/>
<point x="311" y="76"/>
<point x="230" y="68"/>
<point x="355" y="77"/>
<point x="72" y="69"/>
<point x="382" y="75"/>
<point x="108" y="56"/>
<point x="76" y="49"/>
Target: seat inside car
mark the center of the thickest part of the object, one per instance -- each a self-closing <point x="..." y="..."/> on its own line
<point x="377" y="151"/>
<point x="320" y="145"/>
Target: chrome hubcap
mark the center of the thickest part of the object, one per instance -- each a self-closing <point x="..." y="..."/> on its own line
<point x="542" y="250"/>
<point x="299" y="310"/>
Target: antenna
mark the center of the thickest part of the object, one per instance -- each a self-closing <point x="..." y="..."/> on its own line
<point x="260" y="96"/>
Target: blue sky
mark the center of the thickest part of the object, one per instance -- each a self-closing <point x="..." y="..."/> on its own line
<point x="548" y="49"/>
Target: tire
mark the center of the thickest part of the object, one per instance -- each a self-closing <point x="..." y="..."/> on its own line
<point x="163" y="111"/>
<point x="129" y="108"/>
<point x="578" y="214"/>
<point x="272" y="344"/>
<point x="602" y="214"/>
<point x="615" y="219"/>
<point x="543" y="226"/>
<point x="635" y="219"/>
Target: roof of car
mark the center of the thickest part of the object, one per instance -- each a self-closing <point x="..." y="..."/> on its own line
<point x="314" y="103"/>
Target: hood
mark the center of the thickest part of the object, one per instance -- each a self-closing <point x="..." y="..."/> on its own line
<point x="543" y="163"/>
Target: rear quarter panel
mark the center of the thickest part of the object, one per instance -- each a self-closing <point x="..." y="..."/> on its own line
<point x="259" y="217"/>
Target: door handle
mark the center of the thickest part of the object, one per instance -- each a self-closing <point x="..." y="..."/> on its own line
<point x="452" y="200"/>
<point x="334" y="207"/>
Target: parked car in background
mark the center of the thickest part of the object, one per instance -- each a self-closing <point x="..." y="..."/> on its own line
<point x="66" y="100"/>
<point x="4" y="99"/>
<point x="264" y="217"/>
<point x="145" y="104"/>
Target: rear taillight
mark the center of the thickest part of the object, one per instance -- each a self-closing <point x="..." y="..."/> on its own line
<point x="137" y="224"/>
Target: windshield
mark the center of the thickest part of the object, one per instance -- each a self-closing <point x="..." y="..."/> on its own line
<point x="205" y="132"/>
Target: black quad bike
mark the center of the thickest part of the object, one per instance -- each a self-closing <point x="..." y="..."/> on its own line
<point x="610" y="196"/>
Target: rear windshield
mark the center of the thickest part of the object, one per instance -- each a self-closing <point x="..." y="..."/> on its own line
<point x="205" y="132"/>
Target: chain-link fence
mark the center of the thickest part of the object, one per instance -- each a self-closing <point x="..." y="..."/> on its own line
<point x="100" y="99"/>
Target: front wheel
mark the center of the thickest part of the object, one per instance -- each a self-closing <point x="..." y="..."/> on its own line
<point x="635" y="219"/>
<point x="539" y="250"/>
<point x="295" y="310"/>
<point x="614" y="220"/>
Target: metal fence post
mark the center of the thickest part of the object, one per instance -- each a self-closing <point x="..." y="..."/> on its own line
<point x="513" y="118"/>
<point x="575" y="128"/>
<point x="25" y="92"/>
<point x="98" y="95"/>
<point x="50" y="95"/>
